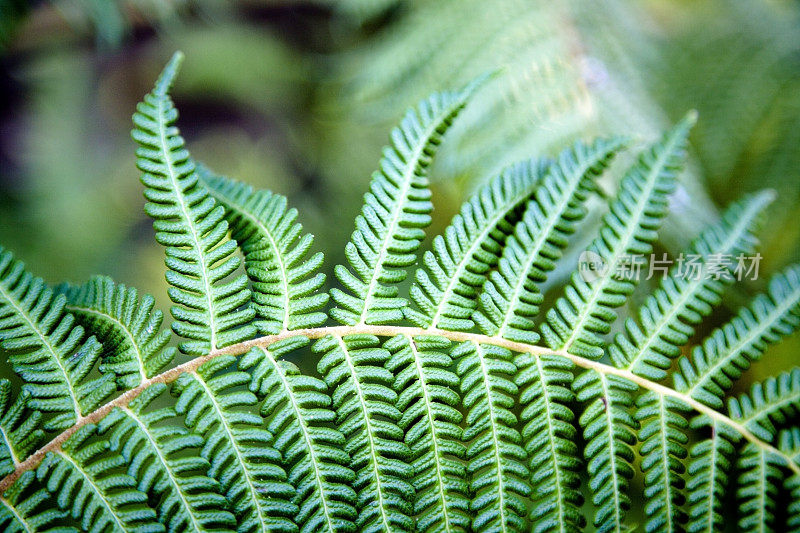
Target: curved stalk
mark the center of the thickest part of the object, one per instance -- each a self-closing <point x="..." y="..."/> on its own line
<point x="388" y="331"/>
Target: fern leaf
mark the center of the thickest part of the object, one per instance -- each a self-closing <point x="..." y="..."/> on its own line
<point x="135" y="346"/>
<point x="587" y="308"/>
<point x="757" y="490"/>
<point x="284" y="280"/>
<point x="83" y="482"/>
<point x="27" y="507"/>
<point x="429" y="402"/>
<point x="709" y="470"/>
<point x="19" y="428"/>
<point x="510" y="297"/>
<point x="164" y="459"/>
<point x="208" y="308"/>
<point x="608" y="428"/>
<point x="770" y="403"/>
<point x="728" y="351"/>
<point x="47" y="349"/>
<point x="462" y="256"/>
<point x="395" y="213"/>
<point x="297" y="410"/>
<point x="792" y="486"/>
<point x="669" y="315"/>
<point x="239" y="450"/>
<point x="790" y="445"/>
<point x="495" y="459"/>
<point x="23" y="507"/>
<point x="663" y="437"/>
<point x="367" y="415"/>
<point x="549" y="435"/>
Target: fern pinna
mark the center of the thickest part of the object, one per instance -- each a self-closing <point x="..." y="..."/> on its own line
<point x="466" y="403"/>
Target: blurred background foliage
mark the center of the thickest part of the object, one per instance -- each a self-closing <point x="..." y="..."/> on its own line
<point x="299" y="97"/>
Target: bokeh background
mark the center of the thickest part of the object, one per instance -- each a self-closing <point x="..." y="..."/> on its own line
<point x="299" y="97"/>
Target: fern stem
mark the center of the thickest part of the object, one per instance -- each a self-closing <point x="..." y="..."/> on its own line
<point x="390" y="331"/>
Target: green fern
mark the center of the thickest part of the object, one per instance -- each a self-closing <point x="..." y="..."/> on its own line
<point x="47" y="349"/>
<point x="298" y="411"/>
<point x="434" y="406"/>
<point x="396" y="210"/>
<point x="190" y="224"/>
<point x="152" y="449"/>
<point x="284" y="283"/>
<point x="130" y="329"/>
<point x="81" y="479"/>
<point x="237" y="447"/>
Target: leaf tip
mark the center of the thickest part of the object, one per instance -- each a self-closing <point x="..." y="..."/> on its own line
<point x="169" y="74"/>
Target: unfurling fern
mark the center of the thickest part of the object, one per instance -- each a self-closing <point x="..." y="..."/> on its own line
<point x="435" y="409"/>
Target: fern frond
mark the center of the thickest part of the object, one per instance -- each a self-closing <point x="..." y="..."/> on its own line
<point x="709" y="471"/>
<point x="284" y="281"/>
<point x="664" y="439"/>
<point x="608" y="427"/>
<point x="208" y="308"/>
<point x="240" y="451"/>
<point x="354" y="368"/>
<point x="549" y="438"/>
<point x="427" y="397"/>
<point x="670" y="314"/>
<point x="297" y="411"/>
<point x="433" y="427"/>
<point x="83" y="482"/>
<point x="496" y="462"/>
<point x="19" y="428"/>
<point x="27" y="507"/>
<point x="164" y="458"/>
<point x="135" y="347"/>
<point x="585" y="311"/>
<point x="395" y="213"/>
<point x="757" y="490"/>
<point x="729" y="351"/>
<point x="510" y="297"/>
<point x="445" y="290"/>
<point x="47" y="348"/>
<point x="770" y="403"/>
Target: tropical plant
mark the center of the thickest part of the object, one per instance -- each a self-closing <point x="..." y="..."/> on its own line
<point x="455" y="408"/>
